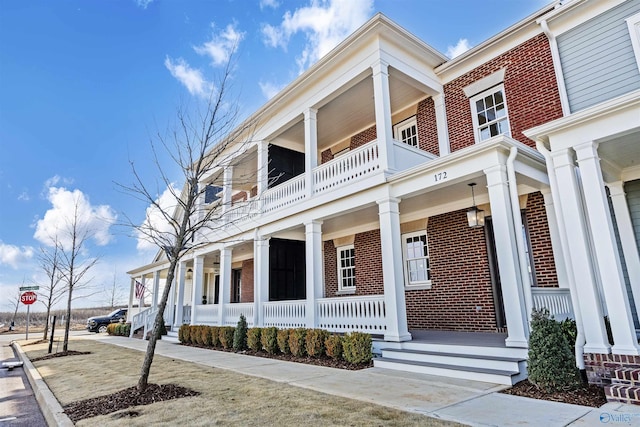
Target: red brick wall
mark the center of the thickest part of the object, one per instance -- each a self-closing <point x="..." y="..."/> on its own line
<point x="363" y="137"/>
<point x="326" y="156"/>
<point x="368" y="265"/>
<point x="426" y="124"/>
<point x="238" y="197"/>
<point x="246" y="287"/>
<point x="540" y="239"/>
<point x="530" y="88"/>
<point x="460" y="279"/>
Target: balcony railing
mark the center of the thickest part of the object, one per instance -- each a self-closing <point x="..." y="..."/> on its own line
<point x="284" y="194"/>
<point x="362" y="314"/>
<point x="232" y="313"/>
<point x="354" y="165"/>
<point x="285" y="314"/>
<point x="556" y="300"/>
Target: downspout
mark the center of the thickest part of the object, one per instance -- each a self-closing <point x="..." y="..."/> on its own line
<point x="517" y="222"/>
<point x="580" y="338"/>
<point x="557" y="67"/>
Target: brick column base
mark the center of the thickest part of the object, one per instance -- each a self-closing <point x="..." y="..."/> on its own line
<point x="619" y="375"/>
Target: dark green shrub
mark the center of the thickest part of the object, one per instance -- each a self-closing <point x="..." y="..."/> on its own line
<point x="356" y="348"/>
<point x="570" y="330"/>
<point x="269" y="339"/>
<point x="296" y="341"/>
<point x="226" y="336"/>
<point x="283" y="340"/>
<point x="253" y="339"/>
<point x="214" y="333"/>
<point x="240" y="335"/>
<point x="333" y="346"/>
<point x="314" y="342"/>
<point x="551" y="365"/>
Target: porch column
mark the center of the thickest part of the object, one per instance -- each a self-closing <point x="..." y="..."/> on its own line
<point x="131" y="288"/>
<point x="314" y="263"/>
<point x="626" y="233"/>
<point x="310" y="147"/>
<point x="171" y="303"/>
<point x="182" y="269"/>
<point x="263" y="170"/>
<point x="392" y="271"/>
<point x="578" y="254"/>
<point x="227" y="185"/>
<point x="556" y="241"/>
<point x="382" y="104"/>
<point x="606" y="250"/>
<point x="196" y="293"/>
<point x="224" y="297"/>
<point x="261" y="278"/>
<point x="507" y="254"/>
<point x="441" y="125"/>
<point x="156" y="289"/>
<point x="143" y="281"/>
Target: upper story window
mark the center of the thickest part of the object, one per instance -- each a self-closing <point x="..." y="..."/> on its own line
<point x="346" y="268"/>
<point x="633" y="23"/>
<point x="211" y="193"/>
<point x="407" y="131"/>
<point x="489" y="110"/>
<point x="416" y="260"/>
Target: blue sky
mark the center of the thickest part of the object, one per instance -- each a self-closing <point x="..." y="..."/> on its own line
<point x="84" y="85"/>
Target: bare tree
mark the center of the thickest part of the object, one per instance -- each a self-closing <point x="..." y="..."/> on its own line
<point x="197" y="146"/>
<point x="52" y="291"/>
<point x="114" y="293"/>
<point x="74" y="264"/>
<point x="14" y="302"/>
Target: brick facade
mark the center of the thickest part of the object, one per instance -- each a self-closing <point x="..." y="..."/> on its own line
<point x="619" y="375"/>
<point x="362" y="138"/>
<point x="246" y="286"/>
<point x="540" y="239"/>
<point x="531" y="92"/>
<point x="427" y="129"/>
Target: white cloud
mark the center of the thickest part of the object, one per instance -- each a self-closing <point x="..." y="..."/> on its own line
<point x="269" y="90"/>
<point x="461" y="47"/>
<point x="13" y="255"/>
<point x="221" y="45"/>
<point x="155" y="220"/>
<point x="269" y="3"/>
<point x="56" y="221"/>
<point x="191" y="78"/>
<point x="325" y="23"/>
<point x="143" y="3"/>
<point x="24" y="196"/>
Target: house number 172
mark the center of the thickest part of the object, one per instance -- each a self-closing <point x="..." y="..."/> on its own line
<point x="440" y="176"/>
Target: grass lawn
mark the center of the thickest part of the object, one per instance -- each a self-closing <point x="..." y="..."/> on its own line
<point x="227" y="398"/>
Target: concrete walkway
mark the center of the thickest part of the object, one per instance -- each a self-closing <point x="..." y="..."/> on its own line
<point x="468" y="402"/>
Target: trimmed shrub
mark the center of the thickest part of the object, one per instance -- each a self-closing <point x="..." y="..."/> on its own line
<point x="356" y="348"/>
<point x="253" y="339"/>
<point x="570" y="330"/>
<point x="215" y="336"/>
<point x="186" y="334"/>
<point x="111" y="328"/>
<point x="207" y="339"/>
<point x="296" y="341"/>
<point x="282" y="337"/>
<point x="269" y="339"/>
<point x="551" y="363"/>
<point x="226" y="336"/>
<point x="333" y="346"/>
<point x="240" y="335"/>
<point x="314" y="342"/>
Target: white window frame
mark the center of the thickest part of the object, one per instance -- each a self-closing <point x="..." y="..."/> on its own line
<point x="404" y="125"/>
<point x="416" y="284"/>
<point x="474" y="113"/>
<point x="633" y="23"/>
<point x="341" y="270"/>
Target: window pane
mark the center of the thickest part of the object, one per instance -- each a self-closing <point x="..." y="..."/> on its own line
<point x="504" y="127"/>
<point x="498" y="97"/>
<point x="491" y="114"/>
<point x="482" y="119"/>
<point x="479" y="105"/>
<point x="484" y="133"/>
<point x="488" y="100"/>
<point x="500" y="111"/>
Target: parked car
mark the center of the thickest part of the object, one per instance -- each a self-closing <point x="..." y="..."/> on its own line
<point x="100" y="323"/>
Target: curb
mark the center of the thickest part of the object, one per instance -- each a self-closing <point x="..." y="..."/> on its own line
<point x="49" y="405"/>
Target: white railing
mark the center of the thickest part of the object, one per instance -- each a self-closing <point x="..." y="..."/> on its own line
<point x="143" y="319"/>
<point x="285" y="314"/>
<point x="284" y="194"/>
<point x="407" y="156"/>
<point x="206" y="314"/>
<point x="186" y="314"/>
<point x="362" y="314"/>
<point x="240" y="211"/>
<point x="556" y="300"/>
<point x="232" y="313"/>
<point x="354" y="165"/>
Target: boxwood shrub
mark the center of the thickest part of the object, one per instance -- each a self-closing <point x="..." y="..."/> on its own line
<point x="269" y="339"/>
<point x="357" y="348"/>
<point x="283" y="340"/>
<point x="314" y="342"/>
<point x="333" y="346"/>
<point x="226" y="336"/>
<point x="253" y="339"/>
<point x="297" y="341"/>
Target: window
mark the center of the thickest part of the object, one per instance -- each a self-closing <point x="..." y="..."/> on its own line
<point x="236" y="284"/>
<point x="633" y="23"/>
<point x="211" y="193"/>
<point x="490" y="114"/>
<point x="407" y="131"/>
<point x="346" y="268"/>
<point x="416" y="260"/>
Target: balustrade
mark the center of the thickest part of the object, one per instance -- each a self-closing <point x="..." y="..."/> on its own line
<point x="556" y="300"/>
<point x="354" y="165"/>
<point x="363" y="314"/>
<point x="285" y="314"/>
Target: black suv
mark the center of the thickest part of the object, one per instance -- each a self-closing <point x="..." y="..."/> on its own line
<point x="99" y="323"/>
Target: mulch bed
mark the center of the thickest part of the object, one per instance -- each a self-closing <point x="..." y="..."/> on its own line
<point x="588" y="395"/>
<point x="123" y="399"/>
<point x="60" y="354"/>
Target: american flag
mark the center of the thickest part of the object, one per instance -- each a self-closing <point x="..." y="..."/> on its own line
<point x="139" y="290"/>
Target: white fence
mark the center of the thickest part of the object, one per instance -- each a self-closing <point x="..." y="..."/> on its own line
<point x="284" y="194"/>
<point x="349" y="167"/>
<point x="363" y="314"/>
<point x="232" y="313"/>
<point x="285" y="314"/>
<point x="556" y="300"/>
<point x="206" y="314"/>
<point x="143" y="319"/>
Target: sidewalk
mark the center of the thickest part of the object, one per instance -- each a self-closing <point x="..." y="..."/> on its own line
<point x="468" y="402"/>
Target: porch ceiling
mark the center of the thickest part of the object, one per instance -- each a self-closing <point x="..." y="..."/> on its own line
<point x="621" y="151"/>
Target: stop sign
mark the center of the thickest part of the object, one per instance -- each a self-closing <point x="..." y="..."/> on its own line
<point x="28" y="297"/>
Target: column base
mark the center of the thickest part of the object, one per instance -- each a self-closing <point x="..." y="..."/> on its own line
<point x="397" y="338"/>
<point x="630" y="351"/>
<point x="597" y="349"/>
<point x="516" y="343"/>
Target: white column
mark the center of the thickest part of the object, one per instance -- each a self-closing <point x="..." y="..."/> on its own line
<point x="227" y="185"/>
<point x="260" y="278"/>
<point x="143" y="280"/>
<point x="314" y="264"/>
<point x="310" y="147"/>
<point x="507" y="254"/>
<point x="382" y="104"/>
<point x="182" y="269"/>
<point x="131" y="288"/>
<point x="556" y="241"/>
<point x="156" y="289"/>
<point x="171" y="303"/>
<point x="196" y="292"/>
<point x="392" y="271"/>
<point x="627" y="238"/>
<point x="578" y="251"/>
<point x="224" y="297"/>
<point x="262" y="177"/>
<point x="606" y="250"/>
<point x="441" y="125"/>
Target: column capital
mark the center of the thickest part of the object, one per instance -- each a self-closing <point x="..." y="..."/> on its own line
<point x="380" y="66"/>
<point x="496" y="175"/>
<point x="313" y="222"/>
<point x="562" y="157"/>
<point x="310" y="113"/>
<point x="393" y="200"/>
<point x="586" y="150"/>
<point x="616" y="188"/>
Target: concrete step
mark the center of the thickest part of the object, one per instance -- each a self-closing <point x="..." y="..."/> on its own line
<point x="628" y="394"/>
<point x="496" y="376"/>
<point x="458" y="358"/>
<point x="492" y="351"/>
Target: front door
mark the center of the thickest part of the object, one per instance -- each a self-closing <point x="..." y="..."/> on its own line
<point x="496" y="287"/>
<point x="287" y="279"/>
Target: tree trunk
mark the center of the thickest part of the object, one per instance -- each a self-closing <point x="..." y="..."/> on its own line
<point x="67" y="323"/>
<point x="46" y="323"/>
